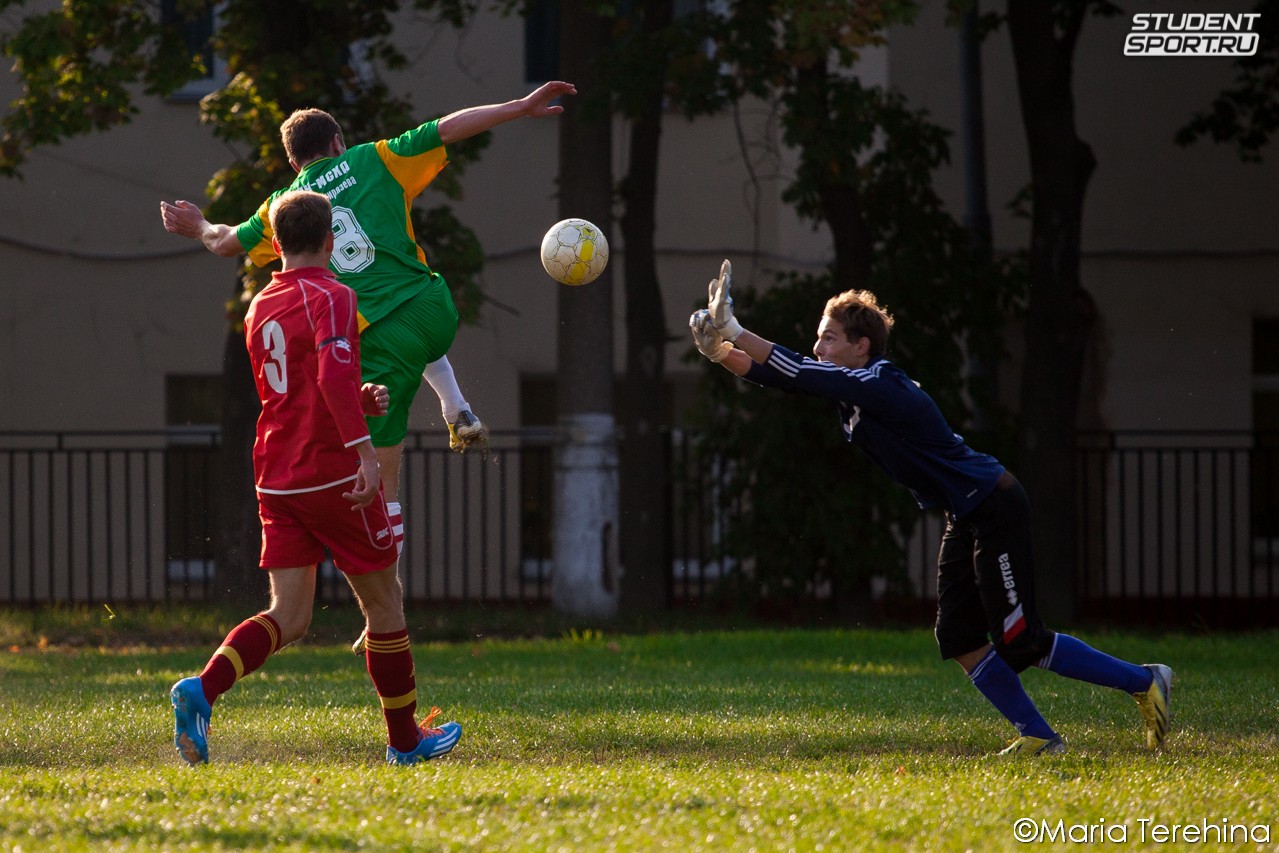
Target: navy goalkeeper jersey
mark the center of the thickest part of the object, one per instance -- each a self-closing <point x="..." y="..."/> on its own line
<point x="885" y="413"/>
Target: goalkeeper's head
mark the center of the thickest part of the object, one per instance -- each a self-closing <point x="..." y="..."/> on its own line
<point x="302" y="222"/>
<point x="860" y="315"/>
<point x="309" y="135"/>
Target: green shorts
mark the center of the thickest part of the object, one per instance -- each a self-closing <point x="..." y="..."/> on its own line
<point x="397" y="348"/>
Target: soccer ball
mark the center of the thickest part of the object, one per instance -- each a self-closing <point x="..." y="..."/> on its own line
<point x="574" y="252"/>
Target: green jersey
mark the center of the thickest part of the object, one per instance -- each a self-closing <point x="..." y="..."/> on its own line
<point x="371" y="188"/>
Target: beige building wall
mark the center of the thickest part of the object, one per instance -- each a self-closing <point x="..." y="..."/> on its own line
<point x="1180" y="249"/>
<point x="97" y="301"/>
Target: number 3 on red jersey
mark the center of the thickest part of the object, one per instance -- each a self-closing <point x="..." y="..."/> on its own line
<point x="274" y="369"/>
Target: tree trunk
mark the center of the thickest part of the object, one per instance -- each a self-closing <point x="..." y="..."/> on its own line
<point x="586" y="573"/>
<point x="982" y="371"/>
<point x="1060" y="313"/>
<point x="644" y="497"/>
<point x="839" y="193"/>
<point x="237" y="528"/>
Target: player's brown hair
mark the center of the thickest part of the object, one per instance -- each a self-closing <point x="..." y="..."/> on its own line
<point x="301" y="221"/>
<point x="861" y="316"/>
<point x="307" y="134"/>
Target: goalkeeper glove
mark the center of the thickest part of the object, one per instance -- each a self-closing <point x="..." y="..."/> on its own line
<point x="721" y="303"/>
<point x="708" y="339"/>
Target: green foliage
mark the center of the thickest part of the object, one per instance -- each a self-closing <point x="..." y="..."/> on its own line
<point x="1246" y="113"/>
<point x="77" y="65"/>
<point x="802" y="509"/>
<point x="770" y="44"/>
<point x="949" y="303"/>
<point x="452" y="246"/>
<point x="653" y="51"/>
<point x="811" y="510"/>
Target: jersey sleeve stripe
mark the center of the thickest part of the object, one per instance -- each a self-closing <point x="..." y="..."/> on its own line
<point x="254" y="235"/>
<point x="779" y="362"/>
<point x="415" y="171"/>
<point x="866" y="374"/>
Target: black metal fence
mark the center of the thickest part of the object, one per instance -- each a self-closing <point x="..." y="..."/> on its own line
<point x="127" y="517"/>
<point x="1177" y="527"/>
<point x="1172" y="526"/>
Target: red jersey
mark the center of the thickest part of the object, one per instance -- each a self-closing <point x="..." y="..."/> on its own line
<point x="302" y="339"/>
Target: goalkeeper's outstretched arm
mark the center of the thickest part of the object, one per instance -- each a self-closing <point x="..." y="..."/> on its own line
<point x="749" y="348"/>
<point x="754" y="346"/>
<point x="710" y="343"/>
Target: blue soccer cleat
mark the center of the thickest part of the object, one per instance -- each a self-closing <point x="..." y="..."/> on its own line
<point x="434" y="743"/>
<point x="191" y="713"/>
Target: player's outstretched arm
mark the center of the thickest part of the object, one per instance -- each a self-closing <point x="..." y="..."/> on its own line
<point x="472" y="120"/>
<point x="186" y="220"/>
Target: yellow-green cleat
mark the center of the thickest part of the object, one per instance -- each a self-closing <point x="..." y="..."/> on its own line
<point x="468" y="433"/>
<point x="1027" y="745"/>
<point x="1154" y="704"/>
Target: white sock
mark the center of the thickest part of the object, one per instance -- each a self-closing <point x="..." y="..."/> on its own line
<point x="439" y="375"/>
<point x="394" y="515"/>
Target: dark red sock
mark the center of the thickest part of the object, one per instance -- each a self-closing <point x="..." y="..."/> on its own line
<point x="390" y="663"/>
<point x="245" y="649"/>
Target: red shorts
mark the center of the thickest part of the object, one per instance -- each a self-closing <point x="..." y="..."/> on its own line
<point x="296" y="529"/>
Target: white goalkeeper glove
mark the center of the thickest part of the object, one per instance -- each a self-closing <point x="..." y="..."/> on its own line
<point x="709" y="341"/>
<point x="721" y="303"/>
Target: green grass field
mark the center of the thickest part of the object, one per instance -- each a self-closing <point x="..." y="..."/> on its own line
<point x="707" y="740"/>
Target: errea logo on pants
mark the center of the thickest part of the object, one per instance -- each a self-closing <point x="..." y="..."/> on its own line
<point x="1006" y="572"/>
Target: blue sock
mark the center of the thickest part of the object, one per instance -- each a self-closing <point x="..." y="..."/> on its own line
<point x="1002" y="688"/>
<point x="1076" y="659"/>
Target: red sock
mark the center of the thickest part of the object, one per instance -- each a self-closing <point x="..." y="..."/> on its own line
<point x="390" y="662"/>
<point x="245" y="649"/>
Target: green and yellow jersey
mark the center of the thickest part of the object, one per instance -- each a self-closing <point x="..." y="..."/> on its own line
<point x="371" y="187"/>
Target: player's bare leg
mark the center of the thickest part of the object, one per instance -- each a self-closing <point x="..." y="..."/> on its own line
<point x="388" y="459"/>
<point x="245" y="649"/>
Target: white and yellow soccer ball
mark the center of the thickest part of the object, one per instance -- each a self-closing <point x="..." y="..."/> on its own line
<point x="574" y="252"/>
